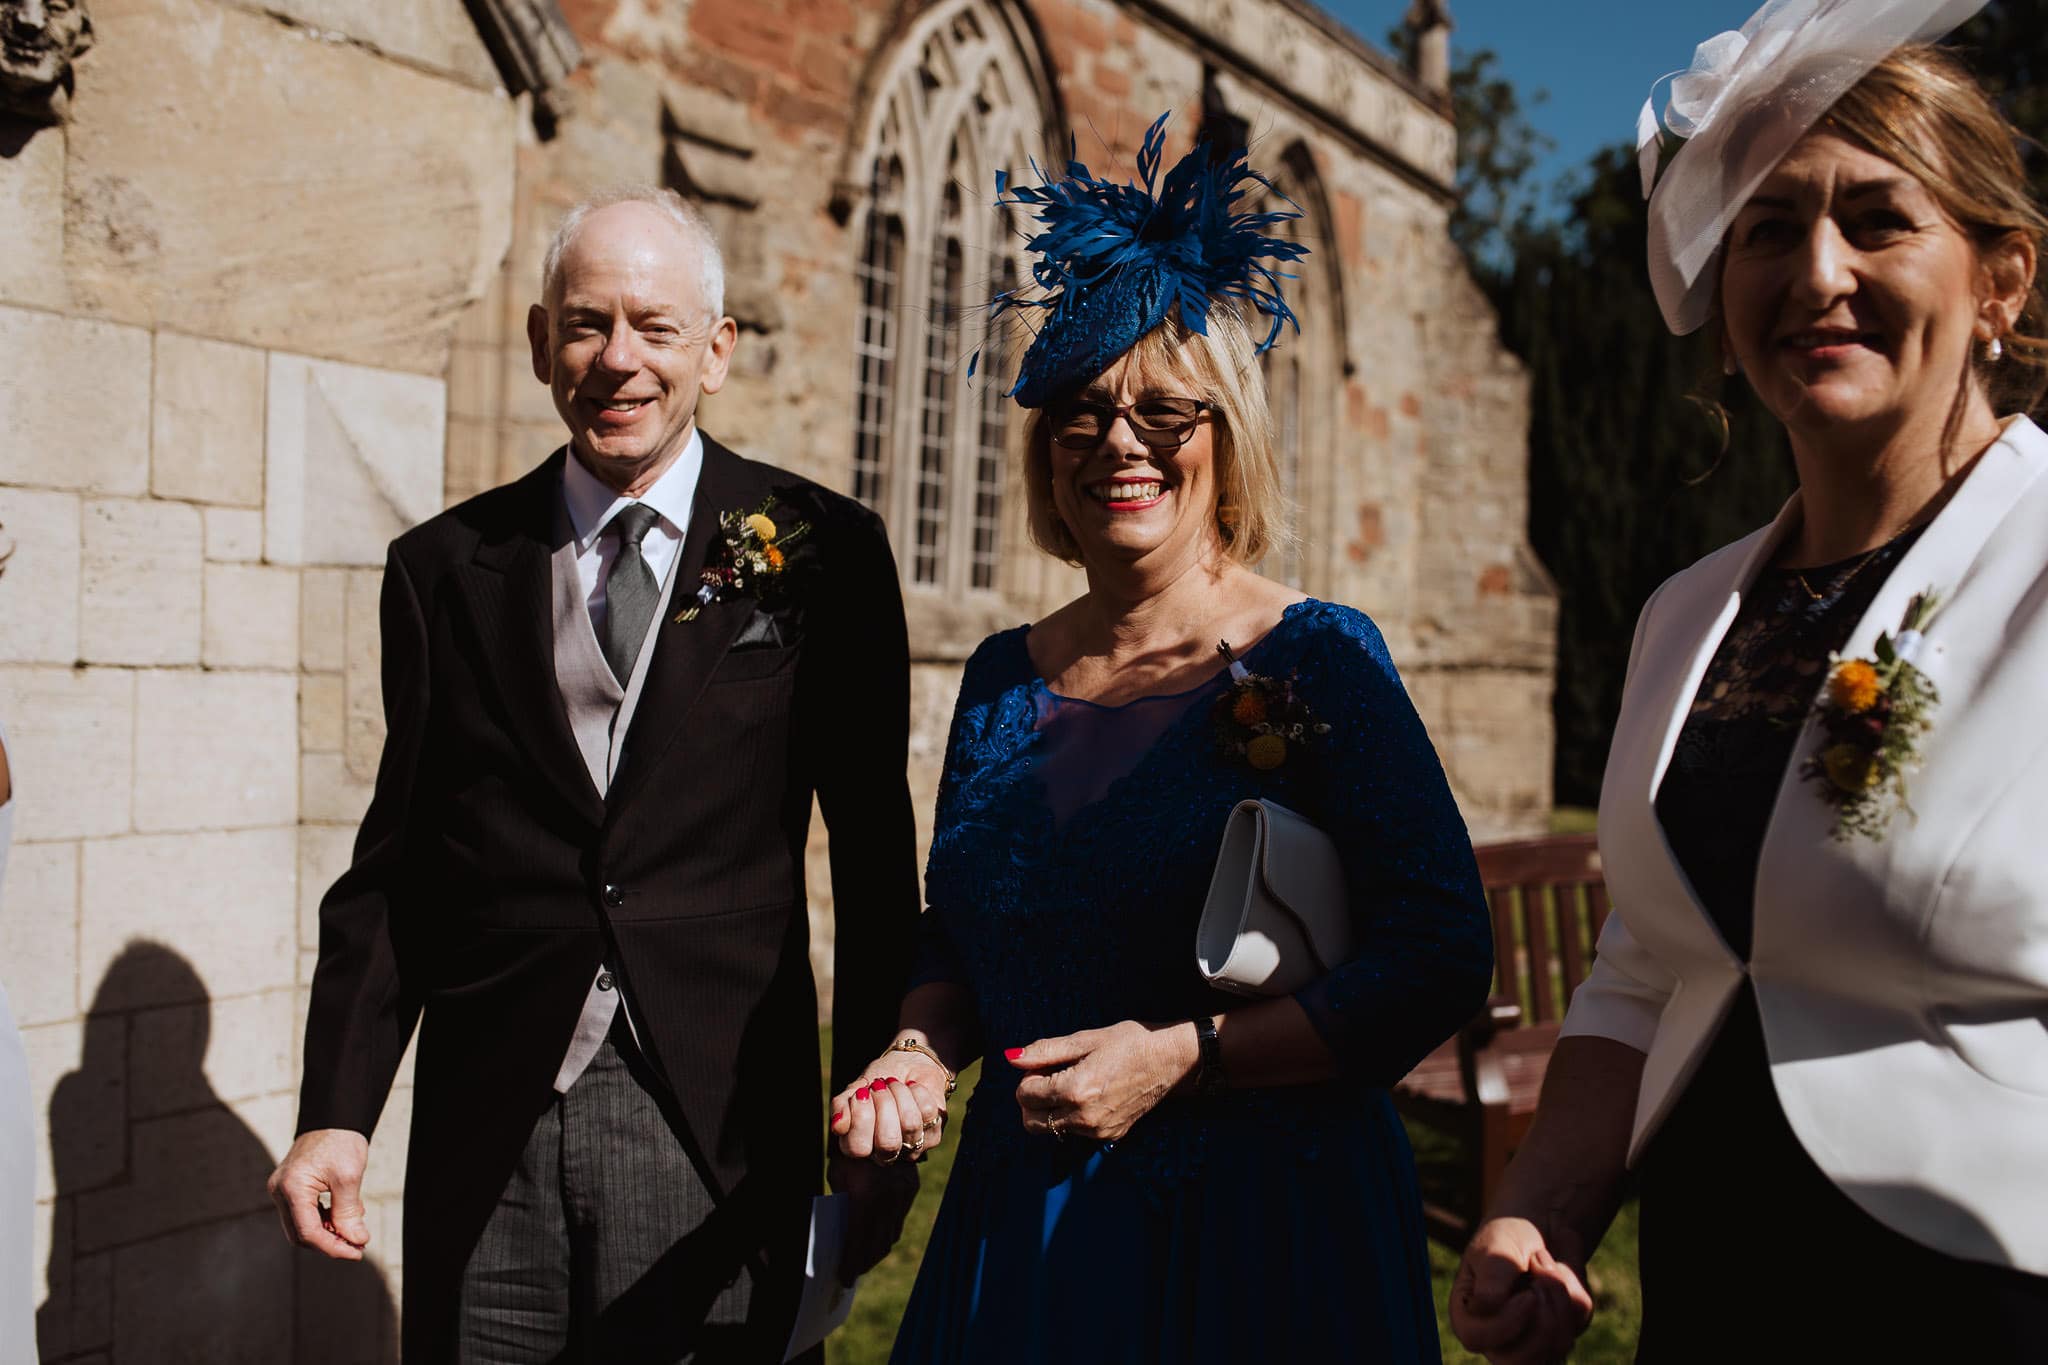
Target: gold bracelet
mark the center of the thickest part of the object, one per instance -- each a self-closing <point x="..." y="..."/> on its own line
<point x="912" y="1045"/>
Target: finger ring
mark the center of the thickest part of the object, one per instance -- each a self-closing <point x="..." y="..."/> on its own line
<point x="910" y="1146"/>
<point x="1053" y="1126"/>
<point x="931" y="1125"/>
<point x="882" y="1158"/>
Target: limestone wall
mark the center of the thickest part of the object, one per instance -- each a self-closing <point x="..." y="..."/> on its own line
<point x="1414" y="487"/>
<point x="262" y="306"/>
<point x="227" y="294"/>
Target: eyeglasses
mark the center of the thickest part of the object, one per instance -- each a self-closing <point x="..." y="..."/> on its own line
<point x="1162" y="423"/>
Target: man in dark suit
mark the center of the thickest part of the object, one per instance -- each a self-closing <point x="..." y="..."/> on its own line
<point x="611" y="690"/>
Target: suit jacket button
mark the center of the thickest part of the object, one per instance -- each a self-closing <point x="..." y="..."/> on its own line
<point x="604" y="981"/>
<point x="613" y="898"/>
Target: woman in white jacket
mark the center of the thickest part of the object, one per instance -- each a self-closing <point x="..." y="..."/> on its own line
<point x="1818" y="1025"/>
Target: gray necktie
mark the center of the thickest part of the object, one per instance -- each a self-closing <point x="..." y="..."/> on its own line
<point x="630" y="592"/>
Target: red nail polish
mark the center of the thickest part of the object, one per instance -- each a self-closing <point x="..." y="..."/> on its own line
<point x="838" y="1114"/>
<point x="861" y="1093"/>
<point x="911" y="1081"/>
<point x="888" y="1080"/>
<point x="1012" y="1053"/>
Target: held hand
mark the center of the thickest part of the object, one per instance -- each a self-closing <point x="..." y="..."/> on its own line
<point x="898" y="1111"/>
<point x="1513" y="1301"/>
<point x="1097" y="1083"/>
<point x="880" y="1200"/>
<point x="326" y="1161"/>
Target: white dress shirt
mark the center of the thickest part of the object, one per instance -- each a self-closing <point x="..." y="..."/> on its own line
<point x="591" y="505"/>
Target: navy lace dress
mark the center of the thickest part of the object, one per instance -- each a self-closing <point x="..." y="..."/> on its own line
<point x="1073" y="849"/>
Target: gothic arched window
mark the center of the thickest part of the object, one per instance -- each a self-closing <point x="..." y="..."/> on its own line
<point x="880" y="275"/>
<point x="959" y="102"/>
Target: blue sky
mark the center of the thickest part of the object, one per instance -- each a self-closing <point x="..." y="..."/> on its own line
<point x="1597" y="58"/>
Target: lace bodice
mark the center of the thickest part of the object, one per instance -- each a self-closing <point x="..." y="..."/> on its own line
<point x="1722" y="786"/>
<point x="1074" y="845"/>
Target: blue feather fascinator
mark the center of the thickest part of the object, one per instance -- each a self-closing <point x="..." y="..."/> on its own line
<point x="1115" y="258"/>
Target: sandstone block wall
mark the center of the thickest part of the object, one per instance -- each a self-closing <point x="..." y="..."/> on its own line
<point x="262" y="307"/>
<point x="1413" y="485"/>
<point x="226" y="301"/>
<point x="179" y="731"/>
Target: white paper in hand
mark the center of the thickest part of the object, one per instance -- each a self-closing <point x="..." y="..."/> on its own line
<point x="826" y="1302"/>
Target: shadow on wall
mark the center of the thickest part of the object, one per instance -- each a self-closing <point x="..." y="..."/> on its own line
<point x="165" y="1248"/>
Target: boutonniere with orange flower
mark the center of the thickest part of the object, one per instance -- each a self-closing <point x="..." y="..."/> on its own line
<point x="1873" y="714"/>
<point x="1260" y="719"/>
<point x="752" y="556"/>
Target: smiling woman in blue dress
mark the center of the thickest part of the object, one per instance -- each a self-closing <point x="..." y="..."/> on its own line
<point x="1151" y="1170"/>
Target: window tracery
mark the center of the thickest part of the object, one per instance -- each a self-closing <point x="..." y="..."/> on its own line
<point x="929" y="447"/>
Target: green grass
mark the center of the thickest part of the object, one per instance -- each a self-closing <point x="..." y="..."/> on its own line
<point x="1617" y="1299"/>
<point x="1617" y="1293"/>
<point x="1573" y="819"/>
<point x="867" y="1335"/>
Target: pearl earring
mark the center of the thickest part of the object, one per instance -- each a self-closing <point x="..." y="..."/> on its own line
<point x="1728" y="365"/>
<point x="1994" y="349"/>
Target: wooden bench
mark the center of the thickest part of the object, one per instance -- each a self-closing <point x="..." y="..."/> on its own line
<point x="1548" y="901"/>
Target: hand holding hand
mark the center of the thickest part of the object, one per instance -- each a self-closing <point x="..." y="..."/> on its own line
<point x="899" y="1110"/>
<point x="326" y="1161"/>
<point x="1513" y="1301"/>
<point x="1097" y="1083"/>
<point x="880" y="1200"/>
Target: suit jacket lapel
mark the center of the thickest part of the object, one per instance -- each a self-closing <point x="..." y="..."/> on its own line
<point x="685" y="651"/>
<point x="1676" y="705"/>
<point x="1799" y="851"/>
<point x="1800" y="823"/>
<point x="509" y="587"/>
<point x="1642" y="751"/>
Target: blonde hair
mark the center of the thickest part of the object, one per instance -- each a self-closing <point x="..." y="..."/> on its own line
<point x="1922" y="110"/>
<point x="1221" y="368"/>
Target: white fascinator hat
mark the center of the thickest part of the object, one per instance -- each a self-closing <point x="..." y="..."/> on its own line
<point x="1748" y="96"/>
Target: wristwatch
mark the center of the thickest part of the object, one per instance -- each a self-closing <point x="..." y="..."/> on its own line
<point x="1209" y="1078"/>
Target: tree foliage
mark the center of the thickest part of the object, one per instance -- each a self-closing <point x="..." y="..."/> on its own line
<point x="1628" y="479"/>
<point x="1628" y="482"/>
<point x="2007" y="45"/>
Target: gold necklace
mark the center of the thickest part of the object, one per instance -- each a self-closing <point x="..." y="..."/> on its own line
<point x="1847" y="578"/>
<point x="1917" y="520"/>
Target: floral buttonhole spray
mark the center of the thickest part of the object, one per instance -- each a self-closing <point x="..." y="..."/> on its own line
<point x="1873" y="713"/>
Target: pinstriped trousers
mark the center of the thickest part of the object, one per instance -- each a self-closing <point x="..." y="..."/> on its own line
<point x="570" y="1267"/>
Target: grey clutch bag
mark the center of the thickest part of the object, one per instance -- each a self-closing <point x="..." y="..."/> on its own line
<point x="1276" y="917"/>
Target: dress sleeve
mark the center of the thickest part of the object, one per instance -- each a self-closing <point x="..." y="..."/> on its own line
<point x="937" y="960"/>
<point x="1424" y="960"/>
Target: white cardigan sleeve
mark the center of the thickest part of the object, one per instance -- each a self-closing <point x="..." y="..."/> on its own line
<point x="1624" y="995"/>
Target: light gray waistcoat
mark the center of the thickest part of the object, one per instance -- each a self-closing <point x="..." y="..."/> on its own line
<point x="600" y="714"/>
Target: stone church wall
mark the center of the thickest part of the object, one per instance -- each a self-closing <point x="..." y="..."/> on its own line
<point x="228" y="287"/>
<point x="1414" y="491"/>
<point x="262" y="302"/>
